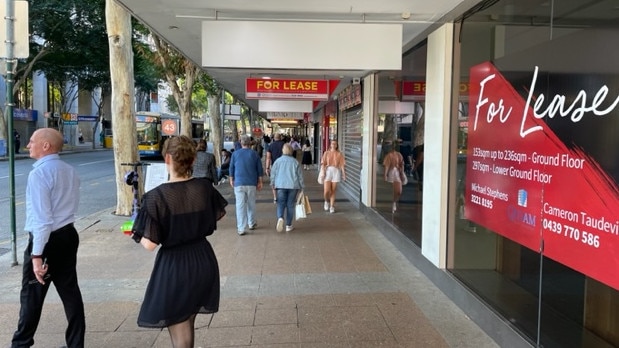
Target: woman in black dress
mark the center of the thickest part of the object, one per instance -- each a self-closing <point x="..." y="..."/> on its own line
<point x="306" y="161"/>
<point x="178" y="215"/>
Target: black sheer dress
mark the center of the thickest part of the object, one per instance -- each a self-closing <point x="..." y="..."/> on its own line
<point x="185" y="276"/>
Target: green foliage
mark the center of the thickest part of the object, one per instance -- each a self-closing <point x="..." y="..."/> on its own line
<point x="73" y="34"/>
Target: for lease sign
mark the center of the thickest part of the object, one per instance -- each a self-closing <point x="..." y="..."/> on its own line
<point x="541" y="169"/>
<point x="261" y="88"/>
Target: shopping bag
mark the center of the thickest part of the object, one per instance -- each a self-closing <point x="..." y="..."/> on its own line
<point x="321" y="175"/>
<point x="308" y="207"/>
<point x="299" y="207"/>
<point x="403" y="178"/>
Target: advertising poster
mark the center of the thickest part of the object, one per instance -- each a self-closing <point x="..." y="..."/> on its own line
<point x="543" y="165"/>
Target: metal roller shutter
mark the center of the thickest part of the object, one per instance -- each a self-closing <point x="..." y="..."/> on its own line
<point x="351" y="148"/>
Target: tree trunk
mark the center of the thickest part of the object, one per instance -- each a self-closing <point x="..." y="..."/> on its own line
<point x="215" y="119"/>
<point x="191" y="72"/>
<point x="118" y="23"/>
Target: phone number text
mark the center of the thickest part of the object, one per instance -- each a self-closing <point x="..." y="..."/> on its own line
<point x="568" y="231"/>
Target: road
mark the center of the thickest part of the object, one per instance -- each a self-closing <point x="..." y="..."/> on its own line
<point x="97" y="191"/>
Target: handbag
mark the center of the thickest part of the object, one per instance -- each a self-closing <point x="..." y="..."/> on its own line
<point x="299" y="207"/>
<point x="403" y="177"/>
<point x="321" y="175"/>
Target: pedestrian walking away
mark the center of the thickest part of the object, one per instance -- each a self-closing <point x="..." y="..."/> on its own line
<point x="204" y="165"/>
<point x="306" y="160"/>
<point x="273" y="153"/>
<point x="179" y="215"/>
<point x="246" y="178"/>
<point x="287" y="180"/>
<point x="394" y="168"/>
<point x="52" y="199"/>
<point x="16" y="140"/>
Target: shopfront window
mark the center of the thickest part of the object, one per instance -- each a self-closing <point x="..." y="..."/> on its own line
<point x="537" y="198"/>
<point x="400" y="129"/>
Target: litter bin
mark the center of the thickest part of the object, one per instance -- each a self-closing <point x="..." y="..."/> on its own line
<point x="2" y="147"/>
<point x="109" y="143"/>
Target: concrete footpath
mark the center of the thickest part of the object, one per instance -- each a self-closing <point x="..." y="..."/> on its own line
<point x="334" y="281"/>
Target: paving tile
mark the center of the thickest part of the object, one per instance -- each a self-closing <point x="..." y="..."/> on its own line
<point x="321" y="315"/>
<point x="136" y="339"/>
<point x="355" y="299"/>
<point x="276" y="302"/>
<point x="325" y="345"/>
<point x="322" y="332"/>
<point x="237" y="303"/>
<point x="233" y="318"/>
<point x="368" y="331"/>
<point x="275" y="316"/>
<point x="225" y="336"/>
<point x="315" y="301"/>
<point x="271" y="334"/>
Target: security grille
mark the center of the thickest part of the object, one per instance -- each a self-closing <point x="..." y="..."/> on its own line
<point x="351" y="147"/>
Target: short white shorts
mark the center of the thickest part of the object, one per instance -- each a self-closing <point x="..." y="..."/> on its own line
<point x="393" y="175"/>
<point x="333" y="174"/>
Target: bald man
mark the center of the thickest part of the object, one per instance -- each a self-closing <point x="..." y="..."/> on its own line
<point x="52" y="197"/>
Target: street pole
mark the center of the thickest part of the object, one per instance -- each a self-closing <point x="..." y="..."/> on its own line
<point x="223" y="117"/>
<point x="9" y="17"/>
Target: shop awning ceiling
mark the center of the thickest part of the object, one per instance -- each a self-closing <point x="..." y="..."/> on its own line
<point x="179" y="22"/>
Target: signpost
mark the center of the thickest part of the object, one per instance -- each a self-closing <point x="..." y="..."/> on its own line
<point x="17" y="46"/>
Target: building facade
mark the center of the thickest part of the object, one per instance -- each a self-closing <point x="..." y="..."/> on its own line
<point x="516" y="214"/>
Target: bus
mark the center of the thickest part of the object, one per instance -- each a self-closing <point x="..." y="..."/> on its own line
<point x="154" y="128"/>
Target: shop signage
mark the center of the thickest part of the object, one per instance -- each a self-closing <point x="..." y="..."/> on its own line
<point x="25" y="115"/>
<point x="260" y="88"/>
<point x="285" y="115"/>
<point x="90" y="118"/>
<point x="538" y="171"/>
<point x="416" y="90"/>
<point x="69" y="119"/>
<point x="350" y="97"/>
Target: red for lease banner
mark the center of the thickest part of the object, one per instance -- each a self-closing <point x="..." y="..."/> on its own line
<point x="535" y="178"/>
<point x="260" y="88"/>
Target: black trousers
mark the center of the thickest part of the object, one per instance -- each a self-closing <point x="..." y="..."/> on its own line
<point x="61" y="254"/>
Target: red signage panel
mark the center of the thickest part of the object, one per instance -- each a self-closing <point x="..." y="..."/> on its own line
<point x="260" y="88"/>
<point x="534" y="176"/>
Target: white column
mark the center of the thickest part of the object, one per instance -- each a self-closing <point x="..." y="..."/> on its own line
<point x="39" y="97"/>
<point x="436" y="145"/>
<point x="368" y="146"/>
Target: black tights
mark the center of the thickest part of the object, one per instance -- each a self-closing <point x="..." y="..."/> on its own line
<point x="182" y="334"/>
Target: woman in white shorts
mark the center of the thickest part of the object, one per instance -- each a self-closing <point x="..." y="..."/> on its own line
<point x="333" y="164"/>
<point x="394" y="166"/>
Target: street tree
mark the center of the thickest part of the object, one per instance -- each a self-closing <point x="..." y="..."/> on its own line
<point x="59" y="32"/>
<point x="214" y="92"/>
<point x="180" y="74"/>
<point x="118" y="22"/>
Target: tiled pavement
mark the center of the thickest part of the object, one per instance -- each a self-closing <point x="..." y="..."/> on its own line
<point x="334" y="281"/>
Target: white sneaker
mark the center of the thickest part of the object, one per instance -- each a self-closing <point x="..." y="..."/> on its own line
<point x="289" y="228"/>
<point x="326" y="206"/>
<point x="332" y="210"/>
<point x="280" y="225"/>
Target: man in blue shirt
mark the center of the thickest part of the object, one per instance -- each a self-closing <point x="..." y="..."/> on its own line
<point x="52" y="198"/>
<point x="245" y="177"/>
